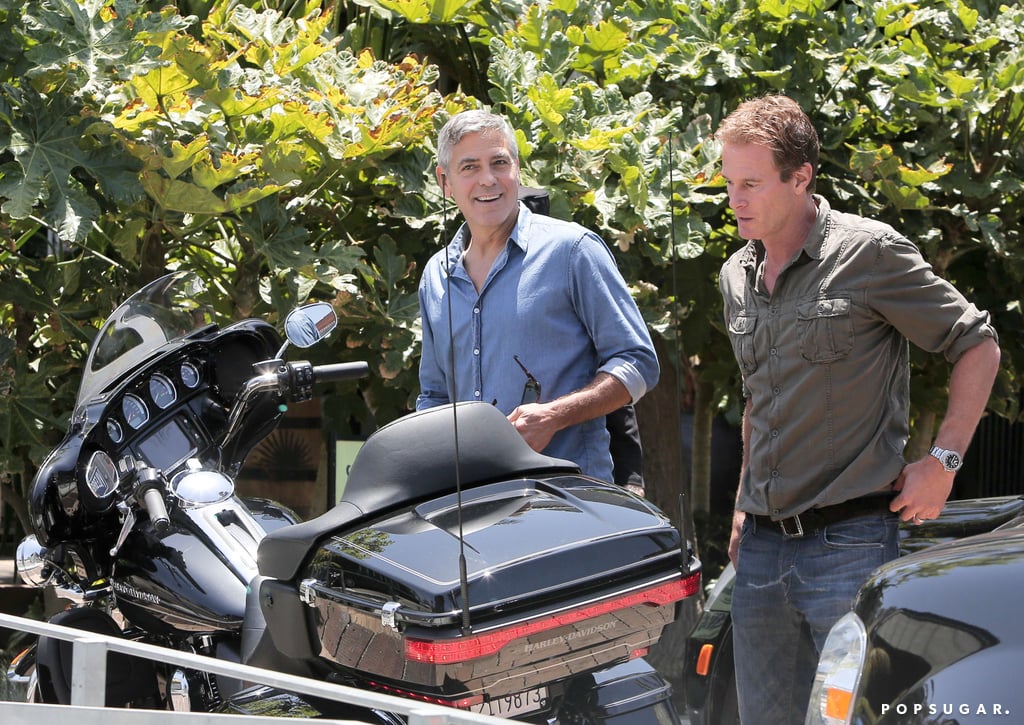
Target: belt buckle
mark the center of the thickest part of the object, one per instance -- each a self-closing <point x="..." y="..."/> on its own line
<point x="786" y="533"/>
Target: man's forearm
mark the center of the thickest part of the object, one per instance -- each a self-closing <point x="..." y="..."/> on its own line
<point x="601" y="396"/>
<point x="970" y="384"/>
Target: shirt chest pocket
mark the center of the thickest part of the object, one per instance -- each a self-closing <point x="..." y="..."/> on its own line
<point x="741" y="334"/>
<point x="825" y="326"/>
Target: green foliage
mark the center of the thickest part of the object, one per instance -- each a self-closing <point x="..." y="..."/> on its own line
<point x="285" y="150"/>
<point x="256" y="150"/>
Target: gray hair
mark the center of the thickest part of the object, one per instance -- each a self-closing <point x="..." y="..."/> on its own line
<point x="468" y="122"/>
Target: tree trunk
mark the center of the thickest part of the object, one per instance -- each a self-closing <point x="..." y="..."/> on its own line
<point x="666" y="479"/>
<point x="700" y="463"/>
<point x="921" y="440"/>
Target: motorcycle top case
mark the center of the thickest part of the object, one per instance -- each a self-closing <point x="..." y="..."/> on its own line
<point x="563" y="574"/>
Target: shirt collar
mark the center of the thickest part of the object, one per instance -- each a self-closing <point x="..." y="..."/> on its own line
<point x="521" y="233"/>
<point x="520" y="236"/>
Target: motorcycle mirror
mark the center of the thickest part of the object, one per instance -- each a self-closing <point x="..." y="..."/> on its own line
<point x="309" y="324"/>
<point x="31" y="559"/>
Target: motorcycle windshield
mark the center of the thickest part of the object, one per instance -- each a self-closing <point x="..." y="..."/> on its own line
<point x="158" y="316"/>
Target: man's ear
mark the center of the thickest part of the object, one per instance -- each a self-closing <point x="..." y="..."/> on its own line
<point x="803" y="176"/>
<point x="442" y="180"/>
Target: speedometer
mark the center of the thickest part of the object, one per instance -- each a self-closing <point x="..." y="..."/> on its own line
<point x="135" y="411"/>
<point x="162" y="391"/>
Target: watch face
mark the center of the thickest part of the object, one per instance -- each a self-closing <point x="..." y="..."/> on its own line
<point x="952" y="462"/>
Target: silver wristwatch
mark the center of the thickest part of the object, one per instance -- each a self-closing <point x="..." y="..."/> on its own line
<point x="950" y="460"/>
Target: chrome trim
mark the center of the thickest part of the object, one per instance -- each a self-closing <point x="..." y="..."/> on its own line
<point x="307" y="591"/>
<point x="178" y="692"/>
<point x="31" y="562"/>
<point x="409" y="615"/>
<point x="387" y="614"/>
<point x="232" y="529"/>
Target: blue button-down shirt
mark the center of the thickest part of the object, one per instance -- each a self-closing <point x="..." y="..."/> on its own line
<point x="555" y="298"/>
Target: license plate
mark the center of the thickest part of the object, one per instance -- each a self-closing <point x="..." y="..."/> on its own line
<point x="509" y="706"/>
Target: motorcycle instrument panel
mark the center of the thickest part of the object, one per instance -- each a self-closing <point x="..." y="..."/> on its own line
<point x="154" y="421"/>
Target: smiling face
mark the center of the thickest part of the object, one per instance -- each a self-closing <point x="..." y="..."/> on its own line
<point x="767" y="208"/>
<point x="483" y="179"/>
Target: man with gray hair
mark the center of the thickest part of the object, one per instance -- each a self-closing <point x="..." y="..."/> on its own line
<point x="540" y="321"/>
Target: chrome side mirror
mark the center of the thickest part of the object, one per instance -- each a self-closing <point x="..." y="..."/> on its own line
<point x="310" y="324"/>
<point x="30" y="560"/>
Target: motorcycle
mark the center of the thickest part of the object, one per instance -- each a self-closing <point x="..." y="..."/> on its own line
<point x="459" y="567"/>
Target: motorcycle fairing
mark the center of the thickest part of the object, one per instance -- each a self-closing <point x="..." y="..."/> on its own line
<point x="62" y="507"/>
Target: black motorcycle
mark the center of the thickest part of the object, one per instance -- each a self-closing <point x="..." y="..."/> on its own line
<point x="459" y="567"/>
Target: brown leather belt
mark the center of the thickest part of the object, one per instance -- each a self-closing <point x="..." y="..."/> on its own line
<point x="814" y="520"/>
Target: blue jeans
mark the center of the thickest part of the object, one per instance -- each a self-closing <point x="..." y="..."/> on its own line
<point x="787" y="595"/>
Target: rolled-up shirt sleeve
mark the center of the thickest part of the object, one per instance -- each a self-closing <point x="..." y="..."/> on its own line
<point x="925" y="308"/>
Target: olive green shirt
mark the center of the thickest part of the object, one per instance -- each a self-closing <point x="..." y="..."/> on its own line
<point x="825" y="359"/>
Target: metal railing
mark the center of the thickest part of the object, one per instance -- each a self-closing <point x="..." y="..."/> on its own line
<point x="89" y="677"/>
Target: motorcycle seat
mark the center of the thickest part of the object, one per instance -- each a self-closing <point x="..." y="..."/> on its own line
<point x="413" y="459"/>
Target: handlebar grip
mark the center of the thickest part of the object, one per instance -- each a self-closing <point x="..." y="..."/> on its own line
<point x="153" y="500"/>
<point x="340" y="371"/>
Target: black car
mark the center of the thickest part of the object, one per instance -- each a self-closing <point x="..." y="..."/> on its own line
<point x="935" y="636"/>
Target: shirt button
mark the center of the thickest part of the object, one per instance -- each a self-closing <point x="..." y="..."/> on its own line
<point x="476" y="310"/>
<point x="476" y="351"/>
<point x="774" y="351"/>
<point x="476" y="394"/>
<point x="776" y="390"/>
<point x="775" y="474"/>
<point x="775" y="433"/>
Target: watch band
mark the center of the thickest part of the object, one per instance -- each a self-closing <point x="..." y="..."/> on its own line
<point x="950" y="460"/>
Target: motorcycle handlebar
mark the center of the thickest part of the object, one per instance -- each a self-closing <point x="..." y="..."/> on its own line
<point x="153" y="500"/>
<point x="340" y="371"/>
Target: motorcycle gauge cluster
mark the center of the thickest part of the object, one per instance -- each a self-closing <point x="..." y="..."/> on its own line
<point x="159" y="392"/>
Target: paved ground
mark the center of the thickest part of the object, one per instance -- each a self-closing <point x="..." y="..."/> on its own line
<point x="7" y="571"/>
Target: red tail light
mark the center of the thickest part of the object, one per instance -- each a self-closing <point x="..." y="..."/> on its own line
<point x="463" y="703"/>
<point x="473" y="647"/>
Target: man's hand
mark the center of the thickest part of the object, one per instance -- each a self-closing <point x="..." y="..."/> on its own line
<point x="536" y="424"/>
<point x="923" y="488"/>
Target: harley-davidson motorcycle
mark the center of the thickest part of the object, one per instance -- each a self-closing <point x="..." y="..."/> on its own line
<point x="459" y="567"/>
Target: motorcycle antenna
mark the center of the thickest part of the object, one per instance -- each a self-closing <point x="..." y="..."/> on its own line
<point x="463" y="576"/>
<point x="683" y="538"/>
